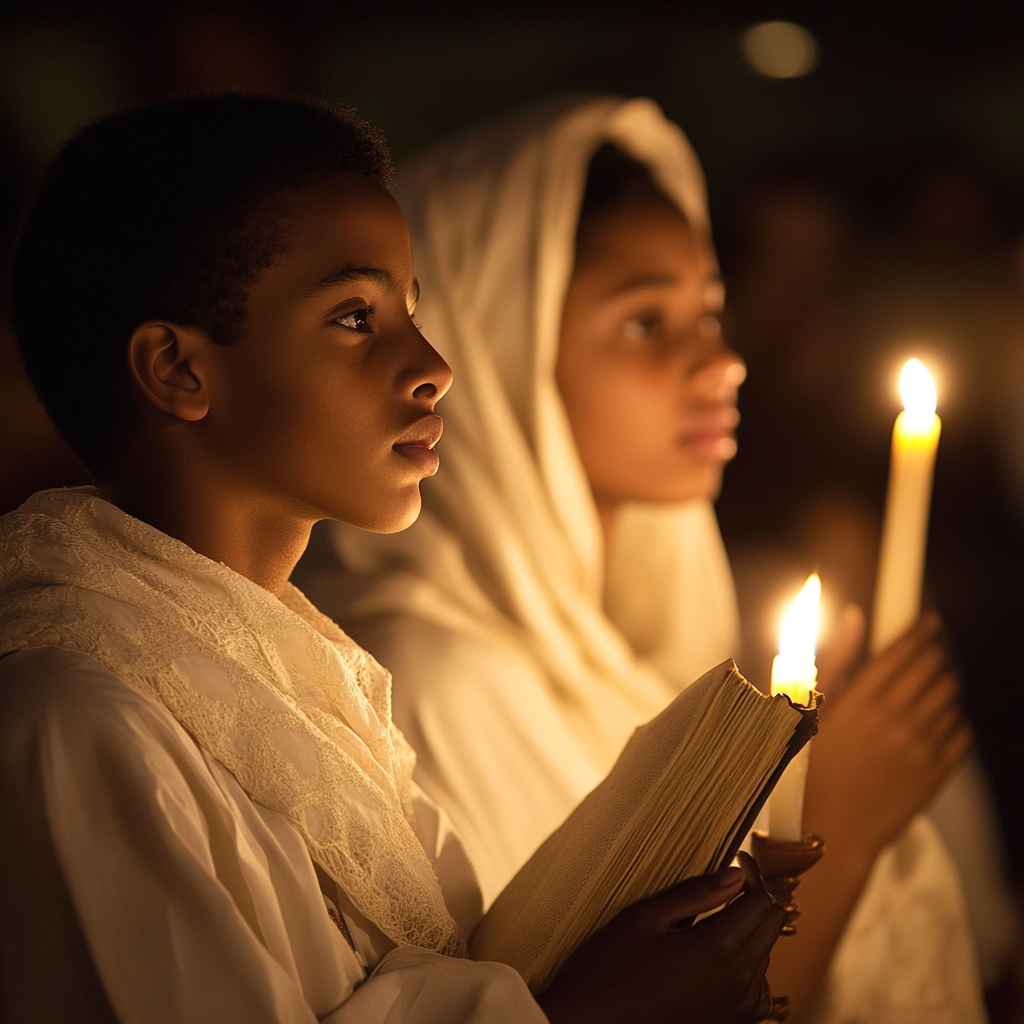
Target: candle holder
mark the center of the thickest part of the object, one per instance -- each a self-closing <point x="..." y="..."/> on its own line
<point x="782" y="863"/>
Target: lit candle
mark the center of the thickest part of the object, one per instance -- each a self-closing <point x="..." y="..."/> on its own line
<point x="915" y="438"/>
<point x="794" y="673"/>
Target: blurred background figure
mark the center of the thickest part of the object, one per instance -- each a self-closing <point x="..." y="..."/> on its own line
<point x="865" y="169"/>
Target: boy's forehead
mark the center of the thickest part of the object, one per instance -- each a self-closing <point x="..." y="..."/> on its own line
<point x="347" y="220"/>
<point x="349" y="203"/>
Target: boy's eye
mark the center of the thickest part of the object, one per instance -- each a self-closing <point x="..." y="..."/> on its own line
<point x="356" y="320"/>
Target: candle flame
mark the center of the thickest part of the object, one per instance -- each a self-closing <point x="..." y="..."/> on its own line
<point x="918" y="392"/>
<point x="800" y="627"/>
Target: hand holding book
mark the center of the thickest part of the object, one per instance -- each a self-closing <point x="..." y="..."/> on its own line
<point x="648" y="965"/>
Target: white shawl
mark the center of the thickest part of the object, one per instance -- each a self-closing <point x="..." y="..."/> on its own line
<point x="509" y="545"/>
<point x="275" y="691"/>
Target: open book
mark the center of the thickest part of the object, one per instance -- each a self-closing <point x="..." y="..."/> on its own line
<point x="679" y="801"/>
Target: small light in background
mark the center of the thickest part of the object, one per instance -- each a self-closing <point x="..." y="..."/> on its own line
<point x="780" y="49"/>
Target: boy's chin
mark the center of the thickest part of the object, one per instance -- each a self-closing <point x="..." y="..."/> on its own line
<point x="398" y="516"/>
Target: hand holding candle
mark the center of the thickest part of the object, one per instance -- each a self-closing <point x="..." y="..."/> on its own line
<point x="794" y="673"/>
<point x="915" y="438"/>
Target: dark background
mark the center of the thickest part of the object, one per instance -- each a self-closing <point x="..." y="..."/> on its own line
<point x="867" y="211"/>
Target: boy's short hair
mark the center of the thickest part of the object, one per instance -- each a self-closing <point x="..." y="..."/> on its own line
<point x="165" y="212"/>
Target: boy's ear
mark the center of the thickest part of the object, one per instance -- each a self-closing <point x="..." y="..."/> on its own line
<point x="167" y="363"/>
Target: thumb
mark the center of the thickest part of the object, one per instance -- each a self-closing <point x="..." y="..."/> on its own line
<point x="837" y="661"/>
<point x="689" y="898"/>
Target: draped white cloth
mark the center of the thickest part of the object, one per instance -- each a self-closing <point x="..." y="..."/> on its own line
<point x="519" y="670"/>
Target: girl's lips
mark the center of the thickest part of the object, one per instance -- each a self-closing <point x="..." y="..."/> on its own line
<point x="714" y="446"/>
<point x="714" y="438"/>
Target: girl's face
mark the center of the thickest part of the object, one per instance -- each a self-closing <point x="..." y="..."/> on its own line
<point x="648" y="383"/>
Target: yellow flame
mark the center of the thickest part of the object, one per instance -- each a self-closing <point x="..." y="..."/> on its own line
<point x="800" y="627"/>
<point x="917" y="389"/>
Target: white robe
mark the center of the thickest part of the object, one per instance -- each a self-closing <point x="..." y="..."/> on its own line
<point x="195" y="775"/>
<point x="142" y="885"/>
<point x="520" y="670"/>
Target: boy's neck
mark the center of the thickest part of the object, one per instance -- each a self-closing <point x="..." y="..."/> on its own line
<point x="216" y="519"/>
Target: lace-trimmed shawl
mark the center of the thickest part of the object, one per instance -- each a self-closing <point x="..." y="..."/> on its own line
<point x="272" y="689"/>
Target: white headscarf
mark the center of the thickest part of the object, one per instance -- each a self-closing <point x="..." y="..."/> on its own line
<point x="509" y="543"/>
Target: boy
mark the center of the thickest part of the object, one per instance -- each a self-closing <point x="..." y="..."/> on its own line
<point x="207" y="813"/>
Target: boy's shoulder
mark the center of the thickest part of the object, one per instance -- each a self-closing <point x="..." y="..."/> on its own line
<point x="55" y="691"/>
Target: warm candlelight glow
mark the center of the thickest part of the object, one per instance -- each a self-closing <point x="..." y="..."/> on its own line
<point x="917" y="389"/>
<point x="793" y="671"/>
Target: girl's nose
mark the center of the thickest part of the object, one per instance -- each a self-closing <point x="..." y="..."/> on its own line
<point x="719" y="374"/>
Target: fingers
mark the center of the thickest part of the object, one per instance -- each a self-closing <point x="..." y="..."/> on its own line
<point x="918" y="676"/>
<point x="689" y="898"/>
<point x="958" y="743"/>
<point x="750" y="923"/>
<point x="937" y="703"/>
<point x="758" y="946"/>
<point x="751" y="873"/>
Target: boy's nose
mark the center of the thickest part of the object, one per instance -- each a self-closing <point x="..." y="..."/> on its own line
<point x="434" y="377"/>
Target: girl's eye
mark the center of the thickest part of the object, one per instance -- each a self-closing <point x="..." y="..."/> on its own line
<point x="640" y="327"/>
<point x="357" y="320"/>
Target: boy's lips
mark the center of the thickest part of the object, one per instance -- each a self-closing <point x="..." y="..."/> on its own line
<point x="417" y="443"/>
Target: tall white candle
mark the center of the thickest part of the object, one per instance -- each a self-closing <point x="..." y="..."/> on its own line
<point x="915" y="438"/>
<point x="794" y="673"/>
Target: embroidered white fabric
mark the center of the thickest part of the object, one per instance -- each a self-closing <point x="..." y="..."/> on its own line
<point x="273" y="689"/>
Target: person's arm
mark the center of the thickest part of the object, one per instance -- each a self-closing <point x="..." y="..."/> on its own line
<point x="886" y="744"/>
<point x="412" y="986"/>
